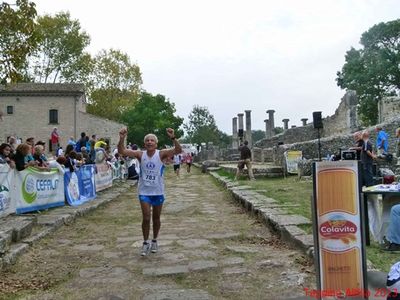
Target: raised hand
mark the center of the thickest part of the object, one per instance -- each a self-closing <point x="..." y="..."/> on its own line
<point x="123" y="133"/>
<point x="171" y="133"/>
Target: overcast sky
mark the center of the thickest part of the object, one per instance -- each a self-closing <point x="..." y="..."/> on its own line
<point x="234" y="55"/>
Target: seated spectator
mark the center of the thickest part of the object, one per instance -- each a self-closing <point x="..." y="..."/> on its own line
<point x="22" y="155"/>
<point x="393" y="233"/>
<point x="12" y="141"/>
<point x="5" y="152"/>
<point x="68" y="150"/>
<point x="79" y="159"/>
<point x="43" y="144"/>
<point x="31" y="142"/>
<point x="92" y="153"/>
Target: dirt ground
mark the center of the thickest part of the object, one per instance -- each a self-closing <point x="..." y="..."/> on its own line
<point x="209" y="249"/>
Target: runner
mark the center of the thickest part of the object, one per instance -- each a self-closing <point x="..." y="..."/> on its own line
<point x="189" y="160"/>
<point x="151" y="182"/>
<point x="177" y="164"/>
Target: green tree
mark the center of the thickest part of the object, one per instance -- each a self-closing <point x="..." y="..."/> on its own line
<point x="257" y="135"/>
<point x="114" y="86"/>
<point x="60" y="55"/>
<point x="202" y="128"/>
<point x="374" y="70"/>
<point x="17" y="39"/>
<point x="151" y="114"/>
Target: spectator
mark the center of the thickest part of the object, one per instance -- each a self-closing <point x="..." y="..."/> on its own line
<point x="100" y="144"/>
<point x="367" y="159"/>
<point x="38" y="156"/>
<point x="12" y="141"/>
<point x="21" y="157"/>
<point x="398" y="142"/>
<point x="87" y="143"/>
<point x="41" y="143"/>
<point x="71" y="141"/>
<point x="68" y="149"/>
<point x="382" y="141"/>
<point x="92" y="153"/>
<point x="81" y="142"/>
<point x="85" y="155"/>
<point x="245" y="160"/>
<point x="358" y="144"/>
<point x="71" y="161"/>
<point x="55" y="140"/>
<point x="5" y="152"/>
<point x="60" y="152"/>
<point x="393" y="233"/>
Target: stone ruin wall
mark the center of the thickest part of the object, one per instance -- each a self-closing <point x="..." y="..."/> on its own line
<point x="388" y="108"/>
<point x="344" y="121"/>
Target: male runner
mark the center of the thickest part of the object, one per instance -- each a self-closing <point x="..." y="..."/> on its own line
<point x="151" y="182"/>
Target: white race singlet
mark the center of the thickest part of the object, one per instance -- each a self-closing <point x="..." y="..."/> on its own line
<point x="151" y="181"/>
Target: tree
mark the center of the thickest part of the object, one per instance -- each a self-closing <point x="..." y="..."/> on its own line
<point x="374" y="70"/>
<point x="114" y="86"/>
<point x="60" y="55"/>
<point x="17" y="39"/>
<point x="257" y="135"/>
<point x="202" y="127"/>
<point x="151" y="114"/>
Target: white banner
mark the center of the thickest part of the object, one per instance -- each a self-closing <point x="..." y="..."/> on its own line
<point x="103" y="177"/>
<point x="6" y="205"/>
<point x="36" y="190"/>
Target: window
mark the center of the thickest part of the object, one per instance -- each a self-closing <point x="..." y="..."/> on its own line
<point x="53" y="116"/>
<point x="10" y="110"/>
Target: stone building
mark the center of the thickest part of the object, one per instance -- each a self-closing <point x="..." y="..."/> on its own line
<point x="34" y="109"/>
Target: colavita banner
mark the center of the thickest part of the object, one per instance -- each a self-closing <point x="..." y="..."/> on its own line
<point x="292" y="158"/>
<point x="338" y="230"/>
<point x="79" y="186"/>
<point x="6" y="205"/>
<point x="36" y="190"/>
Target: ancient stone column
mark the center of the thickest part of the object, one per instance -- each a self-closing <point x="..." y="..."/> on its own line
<point x="248" y="128"/>
<point x="235" y="144"/>
<point x="241" y="132"/>
<point x="271" y="121"/>
<point x="267" y="130"/>
<point x="304" y="120"/>
<point x="285" y="124"/>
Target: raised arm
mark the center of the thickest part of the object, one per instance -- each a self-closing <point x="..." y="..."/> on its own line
<point x="121" y="147"/>
<point x="177" y="147"/>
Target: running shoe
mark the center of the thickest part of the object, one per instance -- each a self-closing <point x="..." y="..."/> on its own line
<point x="145" y="249"/>
<point x="154" y="246"/>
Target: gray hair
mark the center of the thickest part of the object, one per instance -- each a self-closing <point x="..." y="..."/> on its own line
<point x="150" y="135"/>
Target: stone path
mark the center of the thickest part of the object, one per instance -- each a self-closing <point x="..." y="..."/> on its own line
<point x="209" y="249"/>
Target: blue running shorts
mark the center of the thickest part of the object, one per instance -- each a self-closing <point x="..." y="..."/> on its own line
<point x="152" y="200"/>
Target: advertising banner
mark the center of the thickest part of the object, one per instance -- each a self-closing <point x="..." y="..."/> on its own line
<point x="6" y="205"/>
<point x="338" y="230"/>
<point x="103" y="177"/>
<point x="36" y="190"/>
<point x="292" y="158"/>
<point x="79" y="186"/>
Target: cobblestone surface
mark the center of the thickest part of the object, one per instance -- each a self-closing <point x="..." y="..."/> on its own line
<point x="210" y="248"/>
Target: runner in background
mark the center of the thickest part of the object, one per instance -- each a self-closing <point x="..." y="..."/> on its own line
<point x="189" y="161"/>
<point x="177" y="164"/>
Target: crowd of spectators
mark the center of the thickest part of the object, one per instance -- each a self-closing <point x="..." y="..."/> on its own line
<point x="19" y="155"/>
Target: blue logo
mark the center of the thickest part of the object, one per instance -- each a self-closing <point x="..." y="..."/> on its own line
<point x="150" y="165"/>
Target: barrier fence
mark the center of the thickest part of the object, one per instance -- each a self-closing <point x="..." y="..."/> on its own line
<point x="32" y="190"/>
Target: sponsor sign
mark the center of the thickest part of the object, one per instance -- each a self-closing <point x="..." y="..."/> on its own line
<point x="292" y="158"/>
<point x="79" y="186"/>
<point x="6" y="205"/>
<point x="103" y="177"/>
<point x="338" y="230"/>
<point x="36" y="190"/>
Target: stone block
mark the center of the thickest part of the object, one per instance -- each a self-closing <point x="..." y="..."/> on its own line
<point x="282" y="220"/>
<point x="5" y="241"/>
<point x="15" y="251"/>
<point x="20" y="226"/>
<point x="200" y="265"/>
<point x="55" y="221"/>
<point x="168" y="270"/>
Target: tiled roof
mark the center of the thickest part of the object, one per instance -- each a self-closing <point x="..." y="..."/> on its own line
<point x="42" y="89"/>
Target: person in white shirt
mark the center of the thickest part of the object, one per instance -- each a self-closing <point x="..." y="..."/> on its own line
<point x="151" y="182"/>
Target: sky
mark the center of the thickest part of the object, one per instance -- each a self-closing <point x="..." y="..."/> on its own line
<point x="234" y="55"/>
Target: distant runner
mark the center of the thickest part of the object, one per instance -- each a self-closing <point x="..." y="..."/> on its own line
<point x="151" y="182"/>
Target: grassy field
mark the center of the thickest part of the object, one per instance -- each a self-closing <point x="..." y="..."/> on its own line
<point x="291" y="191"/>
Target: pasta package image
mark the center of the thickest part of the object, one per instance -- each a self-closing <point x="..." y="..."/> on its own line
<point x="338" y="229"/>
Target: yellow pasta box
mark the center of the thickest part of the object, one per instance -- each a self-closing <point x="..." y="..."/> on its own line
<point x="338" y="230"/>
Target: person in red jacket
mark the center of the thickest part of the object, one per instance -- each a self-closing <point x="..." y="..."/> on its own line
<point x="55" y="141"/>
